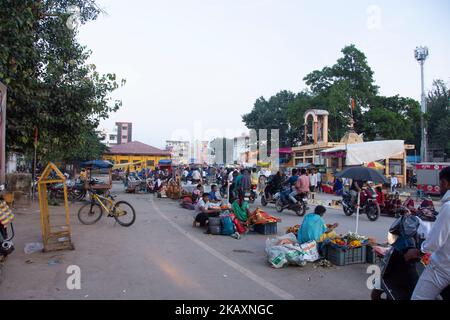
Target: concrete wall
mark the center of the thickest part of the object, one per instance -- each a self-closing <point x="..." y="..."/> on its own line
<point x="18" y="182"/>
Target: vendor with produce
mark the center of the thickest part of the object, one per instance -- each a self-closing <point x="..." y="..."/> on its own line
<point x="314" y="227"/>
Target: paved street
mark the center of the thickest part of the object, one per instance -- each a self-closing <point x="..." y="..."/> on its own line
<point x="163" y="257"/>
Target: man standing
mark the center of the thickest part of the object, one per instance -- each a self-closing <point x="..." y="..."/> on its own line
<point x="319" y="181"/>
<point x="312" y="181"/>
<point x="436" y="276"/>
<point x="394" y="183"/>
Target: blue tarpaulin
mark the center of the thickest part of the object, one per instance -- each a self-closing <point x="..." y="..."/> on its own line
<point x="165" y="161"/>
<point x="97" y="164"/>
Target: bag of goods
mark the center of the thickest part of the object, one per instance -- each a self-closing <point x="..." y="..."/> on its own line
<point x="227" y="225"/>
<point x="310" y="250"/>
<point x="6" y="215"/>
<point x="284" y="250"/>
<point x="239" y="227"/>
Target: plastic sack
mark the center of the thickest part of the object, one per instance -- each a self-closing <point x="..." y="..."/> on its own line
<point x="227" y="225"/>
<point x="284" y="250"/>
<point x="276" y="255"/>
<point x="33" y="247"/>
<point x="310" y="250"/>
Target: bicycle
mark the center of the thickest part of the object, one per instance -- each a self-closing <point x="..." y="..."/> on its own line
<point x="92" y="212"/>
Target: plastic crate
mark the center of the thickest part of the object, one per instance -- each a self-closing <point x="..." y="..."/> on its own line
<point x="345" y="256"/>
<point x="371" y="256"/>
<point x="268" y="228"/>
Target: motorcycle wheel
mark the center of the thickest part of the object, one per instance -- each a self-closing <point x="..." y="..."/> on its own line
<point x="347" y="211"/>
<point x="373" y="212"/>
<point x="300" y="210"/>
<point x="279" y="205"/>
<point x="263" y="201"/>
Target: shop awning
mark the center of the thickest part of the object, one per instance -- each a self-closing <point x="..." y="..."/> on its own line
<point x="165" y="162"/>
<point x="124" y="165"/>
<point x="360" y="153"/>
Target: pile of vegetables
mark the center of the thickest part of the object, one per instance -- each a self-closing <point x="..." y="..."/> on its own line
<point x="350" y="240"/>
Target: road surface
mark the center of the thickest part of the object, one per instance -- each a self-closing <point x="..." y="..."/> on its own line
<point x="163" y="257"/>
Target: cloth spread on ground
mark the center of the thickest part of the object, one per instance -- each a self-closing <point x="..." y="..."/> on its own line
<point x="261" y="217"/>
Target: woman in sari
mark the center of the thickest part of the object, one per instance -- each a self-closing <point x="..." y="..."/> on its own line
<point x="241" y="209"/>
<point x="314" y="227"/>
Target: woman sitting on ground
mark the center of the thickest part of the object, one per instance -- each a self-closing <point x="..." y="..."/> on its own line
<point x="241" y="209"/>
<point x="314" y="227"/>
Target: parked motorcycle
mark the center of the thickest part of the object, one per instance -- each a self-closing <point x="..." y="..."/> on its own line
<point x="399" y="277"/>
<point x="283" y="202"/>
<point x="253" y="194"/>
<point x="368" y="205"/>
<point x="75" y="190"/>
<point x="425" y="211"/>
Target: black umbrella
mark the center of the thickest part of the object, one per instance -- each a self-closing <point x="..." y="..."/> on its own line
<point x="363" y="174"/>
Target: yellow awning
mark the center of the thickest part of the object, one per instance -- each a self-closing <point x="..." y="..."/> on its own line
<point x="124" y="165"/>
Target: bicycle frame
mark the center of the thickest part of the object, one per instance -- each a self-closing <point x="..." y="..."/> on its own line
<point x="97" y="198"/>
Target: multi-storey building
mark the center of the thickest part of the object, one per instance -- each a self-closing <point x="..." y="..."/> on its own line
<point x="179" y="151"/>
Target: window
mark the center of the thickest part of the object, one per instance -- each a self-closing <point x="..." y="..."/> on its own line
<point x="123" y="161"/>
<point x="150" y="163"/>
<point x="112" y="137"/>
<point x="124" y="137"/>
<point x="396" y="167"/>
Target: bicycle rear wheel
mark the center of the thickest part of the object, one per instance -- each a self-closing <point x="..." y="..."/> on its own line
<point x="124" y="213"/>
<point x="90" y="213"/>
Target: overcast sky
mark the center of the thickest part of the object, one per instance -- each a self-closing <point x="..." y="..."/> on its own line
<point x="193" y="67"/>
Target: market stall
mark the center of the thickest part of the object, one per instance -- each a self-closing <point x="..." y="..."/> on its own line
<point x="99" y="175"/>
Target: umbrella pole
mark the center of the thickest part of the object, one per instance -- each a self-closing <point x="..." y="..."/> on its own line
<point x="357" y="211"/>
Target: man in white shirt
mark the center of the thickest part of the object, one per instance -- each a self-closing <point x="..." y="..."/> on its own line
<point x="436" y="276"/>
<point x="312" y="181"/>
<point x="205" y="210"/>
<point x="394" y="183"/>
<point x="319" y="181"/>
<point x="196" y="176"/>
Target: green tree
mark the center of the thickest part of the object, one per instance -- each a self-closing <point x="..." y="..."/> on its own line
<point x="393" y="118"/>
<point x="50" y="85"/>
<point x="438" y="115"/>
<point x="349" y="78"/>
<point x="272" y="114"/>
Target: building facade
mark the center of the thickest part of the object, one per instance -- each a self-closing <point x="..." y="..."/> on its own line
<point x="124" y="132"/>
<point x="179" y="151"/>
<point x="143" y="155"/>
<point x="315" y="141"/>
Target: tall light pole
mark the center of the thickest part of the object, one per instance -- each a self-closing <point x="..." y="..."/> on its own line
<point x="421" y="54"/>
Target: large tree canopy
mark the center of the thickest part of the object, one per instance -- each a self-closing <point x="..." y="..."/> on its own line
<point x="50" y="85"/>
<point x="272" y="114"/>
<point x="332" y="89"/>
<point x="438" y="103"/>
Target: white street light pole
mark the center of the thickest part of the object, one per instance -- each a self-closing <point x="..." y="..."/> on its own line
<point x="421" y="54"/>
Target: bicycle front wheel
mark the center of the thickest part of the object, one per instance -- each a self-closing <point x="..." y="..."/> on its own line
<point x="90" y="213"/>
<point x="124" y="213"/>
